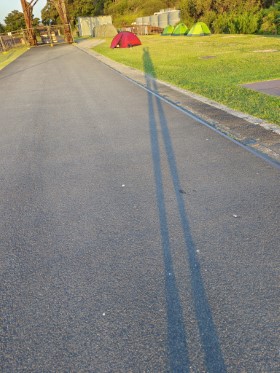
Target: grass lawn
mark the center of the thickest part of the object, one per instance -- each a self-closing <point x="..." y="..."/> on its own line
<point x="214" y="66"/>
<point x="11" y="55"/>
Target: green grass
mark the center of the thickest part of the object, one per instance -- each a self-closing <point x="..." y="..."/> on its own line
<point x="10" y="56"/>
<point x="214" y="67"/>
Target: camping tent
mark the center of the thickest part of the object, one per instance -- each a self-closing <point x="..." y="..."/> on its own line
<point x="125" y="39"/>
<point x="199" y="29"/>
<point x="168" y="30"/>
<point x="180" y="29"/>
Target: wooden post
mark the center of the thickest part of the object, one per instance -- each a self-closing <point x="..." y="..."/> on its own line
<point x="50" y="36"/>
<point x="24" y="37"/>
<point x="2" y="44"/>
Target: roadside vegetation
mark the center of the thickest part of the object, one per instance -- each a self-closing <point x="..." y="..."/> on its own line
<point x="221" y="16"/>
<point x="214" y="66"/>
<point x="10" y="56"/>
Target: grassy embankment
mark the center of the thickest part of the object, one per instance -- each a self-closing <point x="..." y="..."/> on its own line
<point x="11" y="55"/>
<point x="214" y="67"/>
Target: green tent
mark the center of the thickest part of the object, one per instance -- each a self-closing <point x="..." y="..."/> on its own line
<point x="168" y="30"/>
<point x="199" y="29"/>
<point x="180" y="29"/>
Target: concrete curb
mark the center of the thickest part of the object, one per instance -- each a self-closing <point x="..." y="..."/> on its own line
<point x="252" y="132"/>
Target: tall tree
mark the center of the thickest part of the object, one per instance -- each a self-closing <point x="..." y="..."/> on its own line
<point x="15" y="21"/>
<point x="76" y="8"/>
<point x="49" y="14"/>
<point x="98" y="7"/>
<point x="80" y="8"/>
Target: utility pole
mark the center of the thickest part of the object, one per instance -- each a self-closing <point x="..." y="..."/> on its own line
<point x="63" y="14"/>
<point x="27" y="8"/>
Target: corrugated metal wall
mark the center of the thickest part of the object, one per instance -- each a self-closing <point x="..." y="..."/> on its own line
<point x="86" y="25"/>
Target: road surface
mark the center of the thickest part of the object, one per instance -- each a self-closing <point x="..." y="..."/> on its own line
<point x="133" y="238"/>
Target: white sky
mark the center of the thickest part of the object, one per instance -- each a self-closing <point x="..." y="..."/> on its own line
<point x="7" y="6"/>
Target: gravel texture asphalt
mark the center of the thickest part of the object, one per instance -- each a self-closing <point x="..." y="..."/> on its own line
<point x="133" y="237"/>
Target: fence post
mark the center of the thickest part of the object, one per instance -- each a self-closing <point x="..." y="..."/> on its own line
<point x="50" y="36"/>
<point x="2" y="44"/>
<point x="23" y="36"/>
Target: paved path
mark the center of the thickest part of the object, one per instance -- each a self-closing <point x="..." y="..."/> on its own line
<point x="250" y="131"/>
<point x="270" y="87"/>
<point x="133" y="238"/>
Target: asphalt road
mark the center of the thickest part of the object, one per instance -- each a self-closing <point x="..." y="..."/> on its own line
<point x="133" y="238"/>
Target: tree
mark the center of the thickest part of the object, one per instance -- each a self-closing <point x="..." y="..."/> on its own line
<point x="80" y="8"/>
<point x="2" y="28"/>
<point x="49" y="14"/>
<point x="76" y="8"/>
<point x="268" y="3"/>
<point x="271" y="20"/>
<point x="98" y="7"/>
<point x="228" y="15"/>
<point x="15" y="21"/>
<point x="193" y="10"/>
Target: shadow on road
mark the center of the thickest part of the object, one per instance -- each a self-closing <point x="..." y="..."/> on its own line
<point x="179" y="359"/>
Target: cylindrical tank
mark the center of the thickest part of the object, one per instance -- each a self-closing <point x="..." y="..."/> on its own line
<point x="163" y="20"/>
<point x="154" y="20"/>
<point x="173" y="17"/>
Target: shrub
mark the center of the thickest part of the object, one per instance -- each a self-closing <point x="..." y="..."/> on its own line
<point x="241" y="23"/>
<point x="271" y="21"/>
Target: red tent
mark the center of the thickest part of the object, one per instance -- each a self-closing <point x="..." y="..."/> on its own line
<point x="125" y="39"/>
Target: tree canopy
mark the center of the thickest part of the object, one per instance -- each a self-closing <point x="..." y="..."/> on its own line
<point x="15" y="21"/>
<point x="76" y="8"/>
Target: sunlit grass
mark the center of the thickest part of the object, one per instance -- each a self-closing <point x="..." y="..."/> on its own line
<point x="214" y="67"/>
<point x="11" y="55"/>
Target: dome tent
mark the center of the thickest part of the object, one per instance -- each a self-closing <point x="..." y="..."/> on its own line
<point x="199" y="29"/>
<point x="168" y="30"/>
<point x="180" y="29"/>
<point x="125" y="39"/>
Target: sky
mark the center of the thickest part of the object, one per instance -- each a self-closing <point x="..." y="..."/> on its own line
<point x="7" y="6"/>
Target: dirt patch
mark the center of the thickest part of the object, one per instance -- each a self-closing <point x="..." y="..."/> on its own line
<point x="206" y="57"/>
<point x="266" y="51"/>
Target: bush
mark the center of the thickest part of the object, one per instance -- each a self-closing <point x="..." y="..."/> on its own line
<point x="271" y="21"/>
<point x="247" y="23"/>
<point x="241" y="23"/>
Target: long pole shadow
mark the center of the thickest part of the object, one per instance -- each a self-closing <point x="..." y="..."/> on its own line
<point x="177" y="341"/>
<point x="177" y="345"/>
